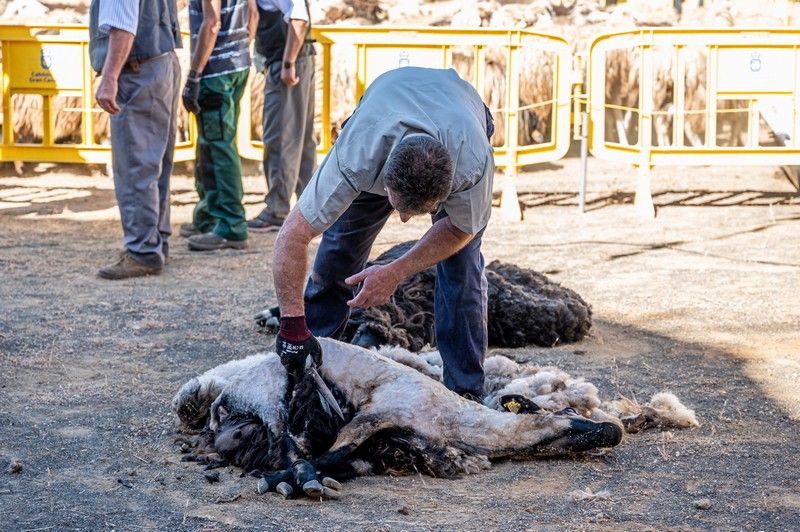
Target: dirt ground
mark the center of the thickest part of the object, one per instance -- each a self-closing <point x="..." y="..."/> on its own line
<point x="702" y="301"/>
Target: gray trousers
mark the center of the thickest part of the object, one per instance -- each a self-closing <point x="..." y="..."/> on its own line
<point x="142" y="147"/>
<point x="290" y="149"/>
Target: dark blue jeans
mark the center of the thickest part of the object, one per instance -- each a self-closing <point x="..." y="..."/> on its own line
<point x="460" y="296"/>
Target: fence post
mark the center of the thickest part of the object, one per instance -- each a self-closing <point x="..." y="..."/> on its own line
<point x="643" y="200"/>
<point x="584" y="160"/>
<point x="509" y="201"/>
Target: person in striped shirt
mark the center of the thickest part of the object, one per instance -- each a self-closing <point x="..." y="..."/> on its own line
<point x="221" y="31"/>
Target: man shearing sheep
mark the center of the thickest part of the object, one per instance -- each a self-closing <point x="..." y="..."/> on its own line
<point x="417" y="143"/>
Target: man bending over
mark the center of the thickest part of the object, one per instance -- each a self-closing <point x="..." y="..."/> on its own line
<point x="417" y="143"/>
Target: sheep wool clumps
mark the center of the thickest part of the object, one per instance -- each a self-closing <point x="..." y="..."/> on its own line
<point x="664" y="410"/>
<point x="551" y="389"/>
<point x="524" y="308"/>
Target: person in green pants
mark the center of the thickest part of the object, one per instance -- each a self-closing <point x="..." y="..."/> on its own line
<point x="221" y="31"/>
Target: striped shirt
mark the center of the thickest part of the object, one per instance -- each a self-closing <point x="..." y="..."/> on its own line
<point x="291" y="10"/>
<point x="231" y="51"/>
<point x="120" y="14"/>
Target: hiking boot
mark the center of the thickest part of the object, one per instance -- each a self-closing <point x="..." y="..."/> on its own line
<point x="188" y="230"/>
<point x="264" y="223"/>
<point x="164" y="251"/>
<point x="212" y="241"/>
<point x="126" y="267"/>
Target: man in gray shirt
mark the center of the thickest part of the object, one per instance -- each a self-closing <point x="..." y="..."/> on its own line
<point x="417" y="143"/>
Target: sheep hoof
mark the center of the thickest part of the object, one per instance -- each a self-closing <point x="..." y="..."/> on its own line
<point x="285" y="489"/>
<point x="269" y="319"/>
<point x="313" y="488"/>
<point x="329" y="493"/>
<point x="263" y="486"/>
<point x="328" y="482"/>
<point x="328" y="489"/>
<point x="585" y="435"/>
<point x="365" y="338"/>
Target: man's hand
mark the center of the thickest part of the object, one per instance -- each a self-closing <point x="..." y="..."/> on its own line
<point x="288" y="75"/>
<point x="378" y="284"/>
<point x="295" y="343"/>
<point x="293" y="353"/>
<point x="106" y="94"/>
<point x="191" y="93"/>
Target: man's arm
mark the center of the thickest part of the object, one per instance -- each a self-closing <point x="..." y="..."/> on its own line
<point x="206" y="35"/>
<point x="441" y="241"/>
<point x="252" y="22"/>
<point x="295" y="35"/>
<point x="289" y="263"/>
<point x="119" y="47"/>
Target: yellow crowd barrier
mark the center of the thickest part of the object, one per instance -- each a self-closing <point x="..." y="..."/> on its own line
<point x="652" y="96"/>
<point x="49" y="112"/>
<point x="363" y="53"/>
<point x="694" y="97"/>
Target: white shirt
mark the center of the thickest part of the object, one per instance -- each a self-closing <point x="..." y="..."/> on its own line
<point x="120" y="14"/>
<point x="295" y="10"/>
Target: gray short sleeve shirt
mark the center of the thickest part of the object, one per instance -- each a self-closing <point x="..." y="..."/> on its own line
<point x="402" y="102"/>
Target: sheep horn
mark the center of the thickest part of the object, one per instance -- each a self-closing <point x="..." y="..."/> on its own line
<point x="325" y="391"/>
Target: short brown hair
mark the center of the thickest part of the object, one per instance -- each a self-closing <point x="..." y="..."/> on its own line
<point x="419" y="172"/>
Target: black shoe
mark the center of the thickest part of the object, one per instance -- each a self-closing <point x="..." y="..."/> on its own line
<point x="188" y="230"/>
<point x="212" y="241"/>
<point x="265" y="223"/>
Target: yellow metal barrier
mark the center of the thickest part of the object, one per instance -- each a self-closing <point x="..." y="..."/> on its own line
<point x="47" y="68"/>
<point x="491" y="59"/>
<point x="695" y="97"/>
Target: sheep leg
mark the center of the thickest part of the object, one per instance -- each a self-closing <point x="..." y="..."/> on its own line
<point x="360" y="429"/>
<point x="300" y="477"/>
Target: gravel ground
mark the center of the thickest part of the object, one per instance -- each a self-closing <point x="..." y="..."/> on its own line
<point x="701" y="301"/>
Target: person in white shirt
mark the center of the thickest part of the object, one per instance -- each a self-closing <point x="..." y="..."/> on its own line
<point x="132" y="46"/>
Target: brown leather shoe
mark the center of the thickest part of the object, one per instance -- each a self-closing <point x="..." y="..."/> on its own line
<point x="212" y="241"/>
<point x="127" y="267"/>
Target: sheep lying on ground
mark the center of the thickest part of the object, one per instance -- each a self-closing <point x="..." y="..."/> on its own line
<point x="396" y="420"/>
<point x="524" y="388"/>
<point x="525" y="307"/>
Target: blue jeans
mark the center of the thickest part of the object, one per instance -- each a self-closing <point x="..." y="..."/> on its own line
<point x="460" y="297"/>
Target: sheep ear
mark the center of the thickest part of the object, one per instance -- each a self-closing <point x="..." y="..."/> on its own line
<point x="222" y="414"/>
<point x="518" y="404"/>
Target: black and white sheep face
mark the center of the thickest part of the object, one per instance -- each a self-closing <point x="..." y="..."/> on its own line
<point x="398" y="420"/>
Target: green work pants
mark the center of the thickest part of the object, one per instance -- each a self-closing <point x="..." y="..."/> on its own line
<point x="218" y="169"/>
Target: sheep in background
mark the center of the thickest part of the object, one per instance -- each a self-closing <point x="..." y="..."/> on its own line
<point x="396" y="421"/>
<point x="525" y="307"/>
